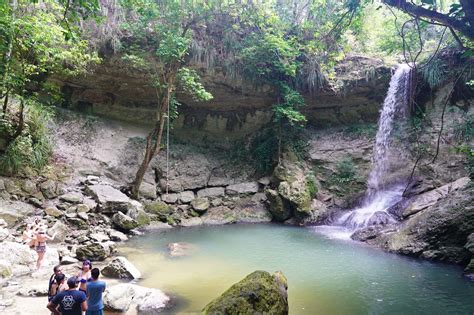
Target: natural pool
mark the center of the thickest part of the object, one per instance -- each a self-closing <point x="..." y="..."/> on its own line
<point x="325" y="276"/>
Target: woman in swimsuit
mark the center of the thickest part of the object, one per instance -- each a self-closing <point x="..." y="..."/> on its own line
<point x="41" y="238"/>
<point x="85" y="275"/>
<point x="57" y="286"/>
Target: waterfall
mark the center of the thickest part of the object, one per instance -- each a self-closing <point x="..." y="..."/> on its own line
<point x="382" y="193"/>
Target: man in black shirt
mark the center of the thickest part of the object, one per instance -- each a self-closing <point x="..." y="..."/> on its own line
<point x="70" y="302"/>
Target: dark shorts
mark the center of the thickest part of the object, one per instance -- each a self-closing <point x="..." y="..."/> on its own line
<point x="40" y="248"/>
<point x="101" y="312"/>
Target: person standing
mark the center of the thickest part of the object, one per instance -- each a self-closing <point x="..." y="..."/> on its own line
<point x="85" y="275"/>
<point x="95" y="288"/>
<point x="41" y="238"/>
<point x="70" y="301"/>
<point x="57" y="270"/>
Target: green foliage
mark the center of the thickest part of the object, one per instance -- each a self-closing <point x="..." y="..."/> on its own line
<point x="434" y="73"/>
<point x="32" y="148"/>
<point x="311" y="187"/>
<point x="465" y="130"/>
<point x="346" y="180"/>
<point x="360" y="130"/>
<point x="189" y="81"/>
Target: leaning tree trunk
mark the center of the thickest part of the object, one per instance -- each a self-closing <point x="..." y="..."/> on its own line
<point x="153" y="141"/>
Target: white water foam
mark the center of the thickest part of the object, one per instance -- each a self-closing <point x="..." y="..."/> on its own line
<point x="379" y="197"/>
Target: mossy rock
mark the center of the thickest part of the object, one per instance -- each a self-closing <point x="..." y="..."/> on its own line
<point x="258" y="293"/>
<point x="143" y="218"/>
<point x="159" y="208"/>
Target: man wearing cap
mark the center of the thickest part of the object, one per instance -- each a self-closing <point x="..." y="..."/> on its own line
<point x="70" y="301"/>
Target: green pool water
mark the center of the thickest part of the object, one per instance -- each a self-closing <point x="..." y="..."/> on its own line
<point x="325" y="276"/>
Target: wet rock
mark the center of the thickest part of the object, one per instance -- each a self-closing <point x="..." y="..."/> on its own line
<point x="219" y="215"/>
<point x="121" y="268"/>
<point x="186" y="196"/>
<point x="53" y="211"/>
<point x="469" y="270"/>
<point x="200" y="205"/>
<point x="367" y="233"/>
<point x="211" y="192"/>
<point x="15" y="211"/>
<point x="431" y="197"/>
<point x="380" y="218"/>
<point x="195" y="221"/>
<point x="181" y="249"/>
<point x="470" y="243"/>
<point x="438" y="232"/>
<point x="108" y="198"/>
<point x="279" y="211"/>
<point x="242" y="188"/>
<point x="94" y="251"/>
<point x="258" y="293"/>
<point x="124" y="222"/>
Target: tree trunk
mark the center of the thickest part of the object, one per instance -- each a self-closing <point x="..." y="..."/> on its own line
<point x="5" y="103"/>
<point x="153" y="140"/>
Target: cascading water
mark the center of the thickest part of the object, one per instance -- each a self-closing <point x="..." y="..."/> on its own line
<point x="381" y="192"/>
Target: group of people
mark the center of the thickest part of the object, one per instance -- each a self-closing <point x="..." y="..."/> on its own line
<point x="81" y="293"/>
<point x="35" y="236"/>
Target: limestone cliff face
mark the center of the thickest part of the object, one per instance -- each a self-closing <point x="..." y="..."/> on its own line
<point x="237" y="109"/>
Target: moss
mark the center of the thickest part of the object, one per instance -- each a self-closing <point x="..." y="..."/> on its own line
<point x="311" y="186"/>
<point x="143" y="218"/>
<point x="160" y="209"/>
<point x="258" y="293"/>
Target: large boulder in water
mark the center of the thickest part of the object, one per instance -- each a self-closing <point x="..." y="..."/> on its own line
<point x="124" y="222"/>
<point x="121" y="268"/>
<point x="438" y="232"/>
<point x="258" y="293"/>
<point x="279" y="211"/>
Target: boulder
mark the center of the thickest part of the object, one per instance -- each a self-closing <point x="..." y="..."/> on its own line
<point x="29" y="186"/>
<point x="137" y="213"/>
<point x="72" y="197"/>
<point x="13" y="212"/>
<point x="118" y="298"/>
<point x="200" y="205"/>
<point x="279" y="211"/>
<point x="211" y="192"/>
<point x="242" y="188"/>
<point x="186" y="196"/>
<point x="431" y="197"/>
<point x="121" y="268"/>
<point x="61" y="231"/>
<point x="82" y="208"/>
<point x="117" y="236"/>
<point x="181" y="249"/>
<point x="439" y="232"/>
<point x="99" y="237"/>
<point x="124" y="222"/>
<point x="160" y="209"/>
<point x="17" y="254"/>
<point x="94" y="251"/>
<point x="125" y="296"/>
<point x="258" y="293"/>
<point x="470" y="243"/>
<point x="53" y="211"/>
<point x="147" y="190"/>
<point x="170" y="198"/>
<point x="34" y="290"/>
<point x="469" y="270"/>
<point x="219" y="215"/>
<point x="109" y="199"/>
<point x="49" y="189"/>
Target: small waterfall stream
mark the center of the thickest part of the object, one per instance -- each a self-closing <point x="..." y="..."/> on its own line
<point x="382" y="193"/>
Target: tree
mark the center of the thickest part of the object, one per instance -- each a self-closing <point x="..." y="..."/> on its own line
<point x="459" y="18"/>
<point x="161" y="43"/>
<point x="33" y="44"/>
